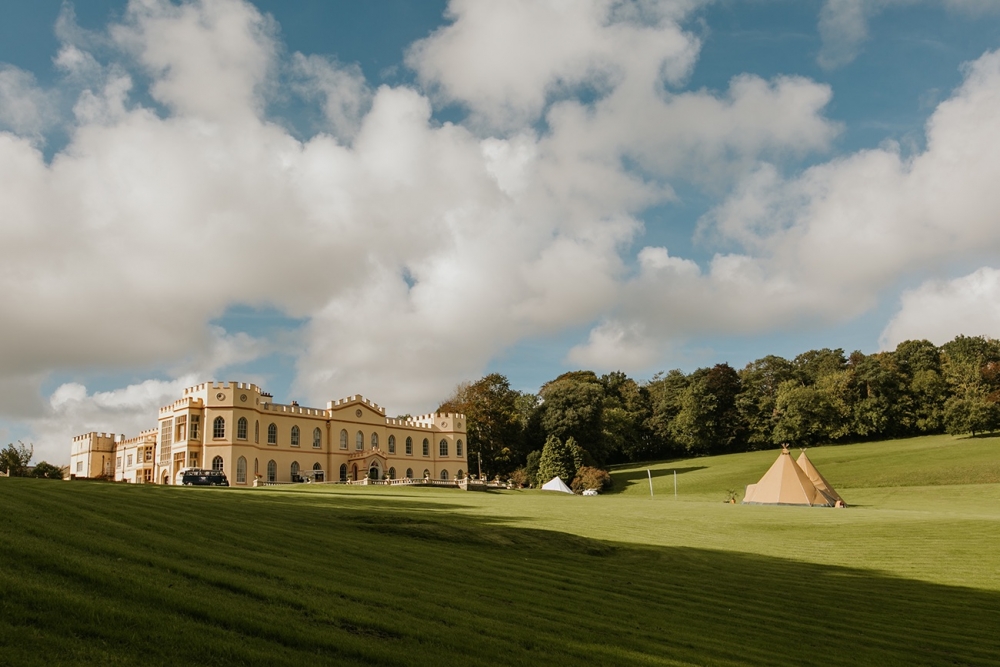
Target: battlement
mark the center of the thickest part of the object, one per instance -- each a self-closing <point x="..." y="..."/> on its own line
<point x="403" y="423"/>
<point x="212" y="386"/>
<point x="430" y="418"/>
<point x="181" y="403"/>
<point x="295" y="409"/>
<point x="147" y="437"/>
<point x="356" y="398"/>
<point x="94" y="435"/>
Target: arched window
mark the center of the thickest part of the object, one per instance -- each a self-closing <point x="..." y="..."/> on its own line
<point x="409" y="473"/>
<point x="295" y="436"/>
<point x="392" y="444"/>
<point x="317" y="466"/>
<point x="219" y="428"/>
<point x="241" y="428"/>
<point x="272" y="471"/>
<point x="217" y="463"/>
<point x="295" y="470"/>
<point x="427" y="447"/>
<point x="392" y="473"/>
<point x="374" y="440"/>
<point x="256" y="466"/>
<point x="460" y="474"/>
<point x="444" y="475"/>
<point x="256" y="432"/>
<point x="241" y="470"/>
<point x="427" y="473"/>
<point x="359" y="441"/>
<point x="272" y="434"/>
<point x="343" y="471"/>
<point x="409" y="446"/>
<point x="354" y="472"/>
<point x="317" y="438"/>
<point x="458" y="447"/>
<point x="443" y="447"/>
<point x="343" y="439"/>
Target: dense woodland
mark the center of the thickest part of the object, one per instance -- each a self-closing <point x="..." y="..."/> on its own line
<point x="820" y="396"/>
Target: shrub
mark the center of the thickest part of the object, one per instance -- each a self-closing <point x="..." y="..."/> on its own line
<point x="588" y="477"/>
<point x="519" y="478"/>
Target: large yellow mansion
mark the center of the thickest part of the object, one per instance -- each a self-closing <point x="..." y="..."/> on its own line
<point x="235" y="427"/>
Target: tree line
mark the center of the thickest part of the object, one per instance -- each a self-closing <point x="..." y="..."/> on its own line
<point x="820" y="396"/>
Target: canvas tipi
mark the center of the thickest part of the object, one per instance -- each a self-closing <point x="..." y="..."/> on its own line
<point x="556" y="484"/>
<point x="816" y="477"/>
<point x="785" y="483"/>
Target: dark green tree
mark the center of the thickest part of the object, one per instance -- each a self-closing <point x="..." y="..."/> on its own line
<point x="14" y="459"/>
<point x="756" y="402"/>
<point x="804" y="415"/>
<point x="572" y="407"/>
<point x="495" y="424"/>
<point x="559" y="459"/>
<point x="46" y="470"/>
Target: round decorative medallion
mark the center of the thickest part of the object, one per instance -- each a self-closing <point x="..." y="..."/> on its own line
<point x="220" y="396"/>
<point x="444" y="423"/>
<point x="243" y="397"/>
<point x="358" y="413"/>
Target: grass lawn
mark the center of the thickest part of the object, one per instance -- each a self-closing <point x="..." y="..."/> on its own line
<point x="96" y="573"/>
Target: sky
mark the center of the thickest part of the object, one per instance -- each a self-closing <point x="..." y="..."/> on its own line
<point x="331" y="197"/>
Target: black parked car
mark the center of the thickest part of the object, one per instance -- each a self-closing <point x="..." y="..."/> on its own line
<point x="197" y="477"/>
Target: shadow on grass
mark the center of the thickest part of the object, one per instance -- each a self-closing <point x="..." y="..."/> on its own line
<point x="96" y="581"/>
<point x="624" y="479"/>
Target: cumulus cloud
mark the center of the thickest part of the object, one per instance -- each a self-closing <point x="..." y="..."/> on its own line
<point x="25" y="108"/>
<point x="821" y="246"/>
<point x="939" y="310"/>
<point x="506" y="60"/>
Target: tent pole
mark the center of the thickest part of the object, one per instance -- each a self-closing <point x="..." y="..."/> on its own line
<point x="675" y="485"/>
<point x="649" y="472"/>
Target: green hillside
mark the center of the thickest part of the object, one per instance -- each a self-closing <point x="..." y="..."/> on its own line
<point x="111" y="574"/>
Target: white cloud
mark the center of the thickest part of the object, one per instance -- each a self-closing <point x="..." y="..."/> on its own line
<point x="25" y="108"/>
<point x="507" y="60"/>
<point x="821" y="246"/>
<point x="939" y="310"/>
<point x="416" y="250"/>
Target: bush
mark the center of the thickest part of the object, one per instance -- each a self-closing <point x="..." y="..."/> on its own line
<point x="588" y="477"/>
<point x="519" y="478"/>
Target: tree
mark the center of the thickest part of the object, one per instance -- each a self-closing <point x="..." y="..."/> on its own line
<point x="14" y="459"/>
<point x="494" y="422"/>
<point x="804" y="415"/>
<point x="694" y="426"/>
<point x="46" y="470"/>
<point x="625" y="416"/>
<point x="558" y="460"/>
<point x="572" y="407"/>
<point x="760" y="381"/>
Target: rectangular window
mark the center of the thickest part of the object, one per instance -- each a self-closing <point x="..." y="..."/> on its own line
<point x="166" y="434"/>
<point x="194" y="426"/>
<point x="148" y="456"/>
<point x="118" y="463"/>
<point x="128" y="460"/>
<point x="181" y="423"/>
<point x="193" y="461"/>
<point x="79" y="466"/>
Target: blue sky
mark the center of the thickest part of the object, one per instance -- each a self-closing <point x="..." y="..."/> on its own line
<point x="390" y="198"/>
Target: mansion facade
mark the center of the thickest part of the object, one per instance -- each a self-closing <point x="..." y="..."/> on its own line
<point x="235" y="427"/>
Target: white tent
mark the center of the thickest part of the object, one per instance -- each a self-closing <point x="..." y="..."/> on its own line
<point x="556" y="484"/>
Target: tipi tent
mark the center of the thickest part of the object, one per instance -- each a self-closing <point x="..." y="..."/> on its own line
<point x="556" y="484"/>
<point x="784" y="483"/>
<point x="816" y="477"/>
